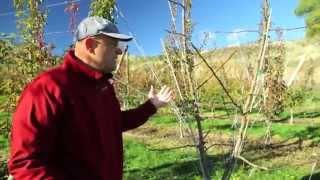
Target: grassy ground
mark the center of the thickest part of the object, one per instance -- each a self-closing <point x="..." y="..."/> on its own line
<point x="3" y="143"/>
<point x="3" y="135"/>
<point x="143" y="162"/>
<point x="153" y="150"/>
<point x="290" y="155"/>
<point x="302" y="126"/>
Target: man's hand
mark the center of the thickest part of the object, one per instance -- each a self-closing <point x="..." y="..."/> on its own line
<point x="161" y="98"/>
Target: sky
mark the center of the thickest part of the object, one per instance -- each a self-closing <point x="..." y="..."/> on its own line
<point x="147" y="21"/>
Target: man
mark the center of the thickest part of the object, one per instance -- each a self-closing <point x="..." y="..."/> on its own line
<point x="68" y="123"/>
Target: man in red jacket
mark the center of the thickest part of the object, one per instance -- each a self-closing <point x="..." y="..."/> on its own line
<point x="68" y="123"/>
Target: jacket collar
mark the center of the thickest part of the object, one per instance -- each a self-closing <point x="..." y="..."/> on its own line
<point x="79" y="66"/>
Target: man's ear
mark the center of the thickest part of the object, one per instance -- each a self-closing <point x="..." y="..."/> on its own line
<point x="90" y="44"/>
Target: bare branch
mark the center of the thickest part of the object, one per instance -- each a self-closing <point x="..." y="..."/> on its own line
<point x="175" y="33"/>
<point x="121" y="60"/>
<point x="204" y="82"/>
<point x="218" y="79"/>
<point x="206" y="134"/>
<point x="175" y="2"/>
<point x="174" y="148"/>
<point x="172" y="70"/>
<point x="218" y="144"/>
<point x="261" y="60"/>
<point x="251" y="164"/>
<point x="228" y="59"/>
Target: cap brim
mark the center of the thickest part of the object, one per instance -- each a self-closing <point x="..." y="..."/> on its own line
<point x="120" y="37"/>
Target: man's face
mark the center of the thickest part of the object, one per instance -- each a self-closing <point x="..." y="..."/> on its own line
<point x="106" y="53"/>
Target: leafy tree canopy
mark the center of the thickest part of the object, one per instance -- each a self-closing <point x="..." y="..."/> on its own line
<point x="103" y="8"/>
<point x="310" y="9"/>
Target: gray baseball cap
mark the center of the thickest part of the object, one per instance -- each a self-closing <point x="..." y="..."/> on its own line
<point x="91" y="26"/>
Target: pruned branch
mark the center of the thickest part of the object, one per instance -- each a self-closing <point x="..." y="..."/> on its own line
<point x="175" y="33"/>
<point x="121" y="60"/>
<point x="173" y="148"/>
<point x="251" y="164"/>
<point x="204" y="82"/>
<point x="175" y="2"/>
<point x="218" y="144"/>
<point x="218" y="79"/>
<point x="172" y="70"/>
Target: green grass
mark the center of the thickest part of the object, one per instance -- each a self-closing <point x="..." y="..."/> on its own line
<point x="143" y="163"/>
<point x="306" y="116"/>
<point x="4" y="144"/>
<point x="256" y="130"/>
<point x="3" y="135"/>
<point x="2" y="99"/>
<point x="280" y="174"/>
<point x="4" y="115"/>
<point x="163" y="120"/>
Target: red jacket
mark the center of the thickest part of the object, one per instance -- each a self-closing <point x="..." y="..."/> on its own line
<point x="68" y="125"/>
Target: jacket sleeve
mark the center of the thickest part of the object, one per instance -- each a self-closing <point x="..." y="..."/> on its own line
<point x="34" y="135"/>
<point x="133" y="118"/>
